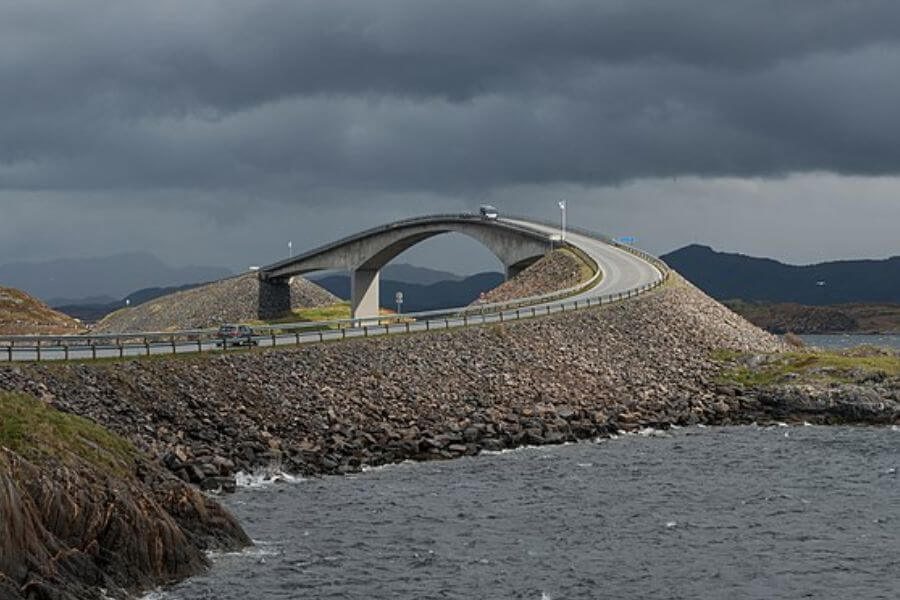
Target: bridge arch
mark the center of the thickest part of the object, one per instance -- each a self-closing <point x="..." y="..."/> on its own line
<point x="365" y="253"/>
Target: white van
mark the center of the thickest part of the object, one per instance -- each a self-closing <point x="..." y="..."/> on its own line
<point x="489" y="212"/>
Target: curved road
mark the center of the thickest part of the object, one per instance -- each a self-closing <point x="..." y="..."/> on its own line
<point x="622" y="272"/>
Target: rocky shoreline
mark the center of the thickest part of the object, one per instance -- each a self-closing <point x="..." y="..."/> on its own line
<point x="81" y="511"/>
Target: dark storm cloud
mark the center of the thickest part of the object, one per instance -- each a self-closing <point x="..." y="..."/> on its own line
<point x="441" y="96"/>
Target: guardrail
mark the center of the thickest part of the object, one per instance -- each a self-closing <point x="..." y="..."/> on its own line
<point x="121" y="345"/>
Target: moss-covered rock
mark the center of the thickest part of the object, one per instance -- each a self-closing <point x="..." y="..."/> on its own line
<point x="81" y="510"/>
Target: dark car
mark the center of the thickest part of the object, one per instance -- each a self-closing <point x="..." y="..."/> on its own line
<point x="236" y="335"/>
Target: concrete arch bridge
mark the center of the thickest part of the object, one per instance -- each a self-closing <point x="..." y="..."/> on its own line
<point x="514" y="243"/>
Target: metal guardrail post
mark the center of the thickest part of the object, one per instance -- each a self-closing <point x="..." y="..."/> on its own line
<point x="9" y="349"/>
<point x="147" y="346"/>
<point x="172" y="340"/>
<point x="38" y="346"/>
<point x="199" y="345"/>
<point x="93" y="351"/>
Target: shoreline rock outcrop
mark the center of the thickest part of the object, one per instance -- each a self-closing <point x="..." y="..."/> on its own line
<point x="81" y="511"/>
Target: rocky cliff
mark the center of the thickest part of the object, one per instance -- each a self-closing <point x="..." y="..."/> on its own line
<point x="81" y="511"/>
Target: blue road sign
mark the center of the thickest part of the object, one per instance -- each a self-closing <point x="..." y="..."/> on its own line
<point x="627" y="239"/>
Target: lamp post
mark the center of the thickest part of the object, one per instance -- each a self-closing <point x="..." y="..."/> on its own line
<point x="562" y="210"/>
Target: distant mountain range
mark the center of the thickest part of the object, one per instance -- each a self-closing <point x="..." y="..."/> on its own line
<point x="61" y="281"/>
<point x="727" y="276"/>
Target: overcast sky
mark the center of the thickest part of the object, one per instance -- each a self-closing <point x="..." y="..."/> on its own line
<point x="212" y="132"/>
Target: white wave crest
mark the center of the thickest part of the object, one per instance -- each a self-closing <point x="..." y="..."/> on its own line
<point x="264" y="477"/>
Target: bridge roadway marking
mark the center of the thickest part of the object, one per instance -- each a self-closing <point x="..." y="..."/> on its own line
<point x="622" y="272"/>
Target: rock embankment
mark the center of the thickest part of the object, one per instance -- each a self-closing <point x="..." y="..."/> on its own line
<point x="230" y="300"/>
<point x="81" y="512"/>
<point x="559" y="270"/>
<point x="335" y="407"/>
<point x="22" y="314"/>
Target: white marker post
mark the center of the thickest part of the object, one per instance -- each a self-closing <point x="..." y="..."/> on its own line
<point x="398" y="298"/>
<point x="562" y="209"/>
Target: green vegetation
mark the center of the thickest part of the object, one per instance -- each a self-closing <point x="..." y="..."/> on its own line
<point x="34" y="430"/>
<point x="332" y="312"/>
<point x="808" y="366"/>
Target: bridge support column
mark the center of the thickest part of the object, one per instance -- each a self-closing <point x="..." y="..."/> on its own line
<point x="512" y="271"/>
<point x="364" y="293"/>
<point x="274" y="298"/>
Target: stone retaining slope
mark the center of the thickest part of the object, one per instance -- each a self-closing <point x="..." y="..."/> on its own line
<point x="230" y="300"/>
<point x="559" y="270"/>
<point x="335" y="407"/>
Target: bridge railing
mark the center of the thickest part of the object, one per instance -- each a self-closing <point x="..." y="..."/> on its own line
<point x="40" y="347"/>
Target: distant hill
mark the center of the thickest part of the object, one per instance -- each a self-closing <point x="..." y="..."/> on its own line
<point x="111" y="276"/>
<point x="727" y="276"/>
<point x="416" y="297"/>
<point x="21" y="314"/>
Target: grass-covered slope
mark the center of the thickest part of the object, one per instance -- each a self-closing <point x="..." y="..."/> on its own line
<point x="81" y="510"/>
<point x="21" y="314"/>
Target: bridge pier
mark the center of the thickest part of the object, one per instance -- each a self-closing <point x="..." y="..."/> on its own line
<point x="364" y="297"/>
<point x="274" y="298"/>
<point x="512" y="271"/>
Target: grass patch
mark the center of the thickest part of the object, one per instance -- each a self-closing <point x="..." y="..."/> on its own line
<point x="806" y="366"/>
<point x="332" y="312"/>
<point x="32" y="429"/>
